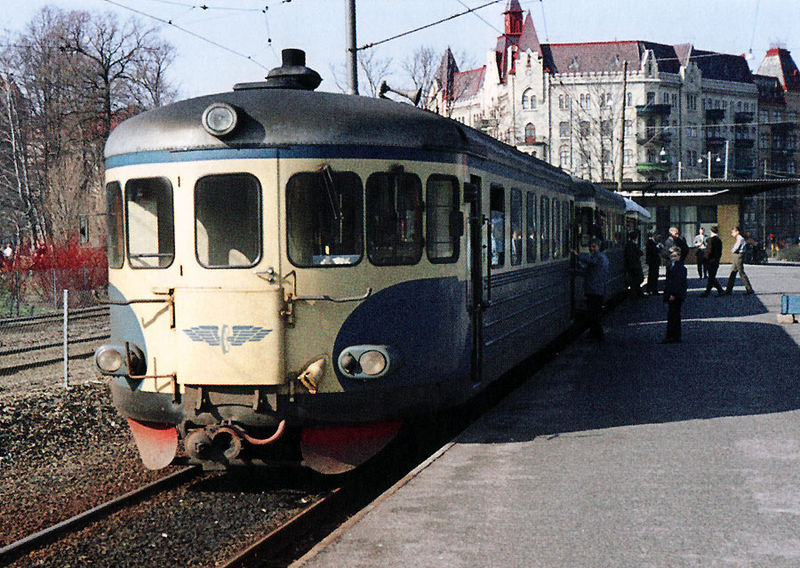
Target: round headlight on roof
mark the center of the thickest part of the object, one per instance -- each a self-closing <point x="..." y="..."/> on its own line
<point x="219" y="119"/>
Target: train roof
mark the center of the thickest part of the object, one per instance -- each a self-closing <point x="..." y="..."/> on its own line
<point x="633" y="208"/>
<point x="270" y="117"/>
<point x="587" y="191"/>
<point x="279" y="113"/>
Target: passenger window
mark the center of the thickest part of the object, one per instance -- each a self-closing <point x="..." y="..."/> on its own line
<point x="530" y="248"/>
<point x="556" y="229"/>
<point x="151" y="236"/>
<point x="566" y="218"/>
<point x="116" y="250"/>
<point x="544" y="215"/>
<point x="516" y="226"/>
<point x="227" y="212"/>
<point x="324" y="212"/>
<point x="497" y="209"/>
<point x="442" y="234"/>
<point x="394" y="218"/>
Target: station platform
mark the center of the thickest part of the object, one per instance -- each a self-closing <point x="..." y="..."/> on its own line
<point x="625" y="453"/>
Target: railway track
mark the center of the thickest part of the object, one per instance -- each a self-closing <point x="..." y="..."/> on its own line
<point x="37" y="341"/>
<point x="55" y="532"/>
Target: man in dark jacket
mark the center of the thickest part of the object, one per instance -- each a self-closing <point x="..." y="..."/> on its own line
<point x="676" y="240"/>
<point x="633" y="264"/>
<point x="713" y="255"/>
<point x="674" y="295"/>
<point x="652" y="251"/>
<point x="594" y="267"/>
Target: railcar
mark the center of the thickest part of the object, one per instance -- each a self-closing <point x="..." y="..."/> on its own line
<point x="293" y="274"/>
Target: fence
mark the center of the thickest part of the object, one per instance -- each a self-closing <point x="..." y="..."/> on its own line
<point x="50" y="324"/>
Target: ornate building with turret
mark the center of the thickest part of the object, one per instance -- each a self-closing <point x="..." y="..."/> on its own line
<point x="660" y="112"/>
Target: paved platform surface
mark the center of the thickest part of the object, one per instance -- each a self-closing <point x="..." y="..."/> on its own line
<point x="627" y="453"/>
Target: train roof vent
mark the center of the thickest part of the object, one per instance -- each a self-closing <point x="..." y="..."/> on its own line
<point x="292" y="74"/>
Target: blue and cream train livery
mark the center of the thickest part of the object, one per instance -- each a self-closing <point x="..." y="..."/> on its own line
<point x="294" y="274"/>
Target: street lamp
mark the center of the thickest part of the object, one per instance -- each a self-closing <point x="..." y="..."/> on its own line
<point x="708" y="163"/>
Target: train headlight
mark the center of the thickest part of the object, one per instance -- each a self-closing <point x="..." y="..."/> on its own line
<point x="124" y="359"/>
<point x="372" y="363"/>
<point x="108" y="359"/>
<point x="219" y="119"/>
<point x="368" y="361"/>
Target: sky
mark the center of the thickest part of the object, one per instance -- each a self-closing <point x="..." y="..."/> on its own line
<point x="236" y="41"/>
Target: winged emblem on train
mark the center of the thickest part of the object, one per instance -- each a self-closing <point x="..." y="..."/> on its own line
<point x="226" y="336"/>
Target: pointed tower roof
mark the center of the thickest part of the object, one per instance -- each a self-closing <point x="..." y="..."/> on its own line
<point x="529" y="39"/>
<point x="447" y="68"/>
<point x="779" y="63"/>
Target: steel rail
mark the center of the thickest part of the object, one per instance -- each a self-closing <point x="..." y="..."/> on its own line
<point x="81" y="313"/>
<point x="292" y="530"/>
<point x="50" y="534"/>
<point x="43" y="346"/>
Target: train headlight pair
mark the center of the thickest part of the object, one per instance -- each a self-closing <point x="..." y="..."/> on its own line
<point x="368" y="361"/>
<point x="124" y="359"/>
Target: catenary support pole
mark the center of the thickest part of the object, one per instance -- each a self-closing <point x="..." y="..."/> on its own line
<point x="352" y="53"/>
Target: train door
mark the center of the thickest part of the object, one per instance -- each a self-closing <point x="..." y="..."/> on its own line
<point x="472" y="195"/>
<point x="227" y="307"/>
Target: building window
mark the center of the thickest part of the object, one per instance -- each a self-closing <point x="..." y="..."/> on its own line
<point x="584" y="126"/>
<point x="651" y="98"/>
<point x="627" y="157"/>
<point x="563" y="157"/>
<point x="530" y="133"/>
<point x="528" y="100"/>
<point x="606" y="128"/>
<point x="563" y="129"/>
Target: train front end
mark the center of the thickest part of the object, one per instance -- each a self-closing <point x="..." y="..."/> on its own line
<point x="226" y="332"/>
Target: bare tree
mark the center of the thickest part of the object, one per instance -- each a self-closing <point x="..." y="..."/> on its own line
<point x="77" y="74"/>
<point x="374" y="70"/>
<point x="421" y="68"/>
<point x="595" y="112"/>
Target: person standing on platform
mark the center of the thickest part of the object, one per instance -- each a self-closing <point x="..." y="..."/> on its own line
<point x="633" y="264"/>
<point x="594" y="267"/>
<point x="713" y="256"/>
<point x="652" y="253"/>
<point x="674" y="295"/>
<point x="676" y="240"/>
<point x="700" y="252"/>
<point x="738" y="263"/>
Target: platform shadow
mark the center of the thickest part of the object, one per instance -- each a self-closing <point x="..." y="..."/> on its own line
<point x="722" y="368"/>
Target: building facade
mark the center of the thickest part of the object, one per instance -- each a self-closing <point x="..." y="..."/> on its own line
<point x="639" y="110"/>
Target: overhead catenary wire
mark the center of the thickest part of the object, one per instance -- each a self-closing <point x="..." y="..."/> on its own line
<point x="191" y="33"/>
<point x="420" y="28"/>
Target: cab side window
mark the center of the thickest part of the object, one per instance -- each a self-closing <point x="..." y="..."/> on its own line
<point x="151" y="234"/>
<point x="444" y="224"/>
<point x="115" y="229"/>
<point x="394" y="218"/>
